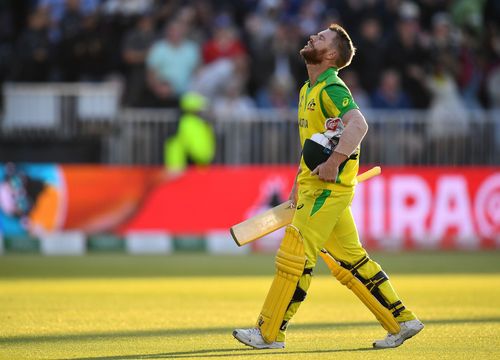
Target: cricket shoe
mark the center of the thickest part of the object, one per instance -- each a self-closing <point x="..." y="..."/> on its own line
<point x="408" y="329"/>
<point x="252" y="337"/>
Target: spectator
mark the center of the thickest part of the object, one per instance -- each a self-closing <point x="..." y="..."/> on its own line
<point x="224" y="57"/>
<point x="352" y="11"/>
<point x="493" y="75"/>
<point x="33" y="50"/>
<point x="448" y="117"/>
<point x="198" y="17"/>
<point x="234" y="104"/>
<point x="369" y="59"/>
<point x="470" y="72"/>
<point x="444" y="40"/>
<point x="429" y="9"/>
<point x="58" y="11"/>
<point x="266" y="19"/>
<point x="444" y="44"/>
<point x="277" y="59"/>
<point x="89" y="49"/>
<point x="407" y="54"/>
<point x="389" y="94"/>
<point x="6" y="22"/>
<point x="70" y="25"/>
<point x="279" y="97"/>
<point x="279" y="94"/>
<point x="223" y="44"/>
<point x="404" y="136"/>
<point x="491" y="14"/>
<point x="493" y="90"/>
<point x="213" y="78"/>
<point x="58" y="8"/>
<point x="234" y="101"/>
<point x="135" y="49"/>
<point x="7" y="32"/>
<point x="166" y="11"/>
<point x="389" y="15"/>
<point x="309" y="16"/>
<point x="203" y="15"/>
<point x="492" y="34"/>
<point x="127" y="8"/>
<point x="467" y="13"/>
<point x="171" y="63"/>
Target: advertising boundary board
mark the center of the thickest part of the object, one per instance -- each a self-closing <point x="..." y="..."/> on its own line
<point x="403" y="208"/>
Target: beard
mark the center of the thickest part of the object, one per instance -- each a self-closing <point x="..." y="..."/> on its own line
<point x="312" y="55"/>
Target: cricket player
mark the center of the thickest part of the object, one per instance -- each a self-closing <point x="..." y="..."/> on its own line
<point x="331" y="128"/>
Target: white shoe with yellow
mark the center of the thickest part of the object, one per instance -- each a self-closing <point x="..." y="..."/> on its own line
<point x="408" y="329"/>
<point x="252" y="337"/>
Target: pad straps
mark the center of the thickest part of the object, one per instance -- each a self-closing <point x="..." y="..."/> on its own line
<point x="354" y="268"/>
<point x="373" y="283"/>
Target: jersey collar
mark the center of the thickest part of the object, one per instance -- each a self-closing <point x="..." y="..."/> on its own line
<point x="324" y="75"/>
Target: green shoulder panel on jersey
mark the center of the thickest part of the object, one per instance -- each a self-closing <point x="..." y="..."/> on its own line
<point x="336" y="100"/>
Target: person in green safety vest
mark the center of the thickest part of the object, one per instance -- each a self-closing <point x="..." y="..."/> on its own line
<point x="194" y="141"/>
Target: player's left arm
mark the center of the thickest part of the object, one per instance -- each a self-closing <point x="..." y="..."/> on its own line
<point x="339" y="102"/>
<point x="355" y="130"/>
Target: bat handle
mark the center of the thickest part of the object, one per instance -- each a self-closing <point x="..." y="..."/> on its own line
<point x="374" y="171"/>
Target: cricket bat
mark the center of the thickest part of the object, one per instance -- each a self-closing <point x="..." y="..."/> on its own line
<point x="276" y="217"/>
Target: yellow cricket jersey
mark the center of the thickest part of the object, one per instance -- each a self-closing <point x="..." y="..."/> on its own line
<point x="329" y="98"/>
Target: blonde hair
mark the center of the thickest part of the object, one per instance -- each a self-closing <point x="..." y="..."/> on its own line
<point x="345" y="47"/>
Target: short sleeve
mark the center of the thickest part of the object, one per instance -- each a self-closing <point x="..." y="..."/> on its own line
<point x="336" y="100"/>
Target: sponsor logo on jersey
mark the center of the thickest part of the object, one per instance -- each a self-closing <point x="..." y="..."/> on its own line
<point x="345" y="102"/>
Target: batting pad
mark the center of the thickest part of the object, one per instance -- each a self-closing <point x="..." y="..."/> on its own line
<point x="383" y="315"/>
<point x="290" y="262"/>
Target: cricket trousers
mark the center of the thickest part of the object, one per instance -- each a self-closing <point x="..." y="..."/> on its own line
<point x="325" y="220"/>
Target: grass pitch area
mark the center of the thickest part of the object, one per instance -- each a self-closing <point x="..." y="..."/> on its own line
<point x="185" y="307"/>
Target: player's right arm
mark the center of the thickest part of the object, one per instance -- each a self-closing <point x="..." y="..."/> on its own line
<point x="336" y="101"/>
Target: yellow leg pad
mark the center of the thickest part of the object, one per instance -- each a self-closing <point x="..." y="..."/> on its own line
<point x="383" y="315"/>
<point x="290" y="262"/>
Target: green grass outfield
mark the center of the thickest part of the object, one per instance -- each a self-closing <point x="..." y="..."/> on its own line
<point x="185" y="307"/>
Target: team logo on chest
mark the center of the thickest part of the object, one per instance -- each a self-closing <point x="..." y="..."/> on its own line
<point x="311" y="105"/>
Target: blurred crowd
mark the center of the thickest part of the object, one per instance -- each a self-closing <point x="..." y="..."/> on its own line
<point x="243" y="55"/>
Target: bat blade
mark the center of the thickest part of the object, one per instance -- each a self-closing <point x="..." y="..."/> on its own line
<point x="276" y="217"/>
<point x="262" y="224"/>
